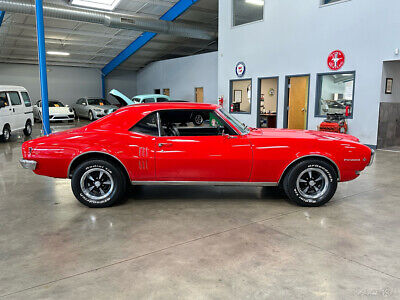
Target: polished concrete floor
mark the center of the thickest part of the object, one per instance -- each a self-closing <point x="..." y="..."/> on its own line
<point x="198" y="242"/>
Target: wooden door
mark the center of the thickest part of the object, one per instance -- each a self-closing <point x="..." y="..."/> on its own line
<point x="199" y="95"/>
<point x="298" y="102"/>
<point x="166" y="92"/>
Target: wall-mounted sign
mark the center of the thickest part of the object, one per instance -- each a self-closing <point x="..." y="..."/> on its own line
<point x="240" y="69"/>
<point x="336" y="60"/>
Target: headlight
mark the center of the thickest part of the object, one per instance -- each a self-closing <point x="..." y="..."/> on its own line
<point x="98" y="110"/>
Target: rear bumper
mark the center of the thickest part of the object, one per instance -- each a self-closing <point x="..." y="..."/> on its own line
<point x="28" y="164"/>
<point x="371" y="161"/>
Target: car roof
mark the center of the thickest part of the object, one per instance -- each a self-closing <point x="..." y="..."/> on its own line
<point x="151" y="95"/>
<point x="6" y="88"/>
<point x="171" y="105"/>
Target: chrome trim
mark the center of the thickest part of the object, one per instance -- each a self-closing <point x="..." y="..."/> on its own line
<point x="371" y="161"/>
<point x="216" y="183"/>
<point x="76" y="157"/>
<point x="311" y="155"/>
<point x="28" y="164"/>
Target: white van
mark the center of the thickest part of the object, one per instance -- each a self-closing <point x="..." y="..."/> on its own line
<point x="16" y="112"/>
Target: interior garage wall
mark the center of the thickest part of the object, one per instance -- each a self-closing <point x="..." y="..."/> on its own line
<point x="122" y="80"/>
<point x="65" y="83"/>
<point x="182" y="76"/>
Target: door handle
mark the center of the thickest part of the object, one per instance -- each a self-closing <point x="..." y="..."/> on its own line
<point x="164" y="145"/>
<point x="13" y="109"/>
<point x="303" y="109"/>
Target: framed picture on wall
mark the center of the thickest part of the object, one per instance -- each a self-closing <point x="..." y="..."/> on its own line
<point x="389" y="86"/>
<point x="237" y="96"/>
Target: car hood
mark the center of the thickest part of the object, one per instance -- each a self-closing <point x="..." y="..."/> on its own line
<point x="121" y="98"/>
<point x="304" y="134"/>
<point x="57" y="110"/>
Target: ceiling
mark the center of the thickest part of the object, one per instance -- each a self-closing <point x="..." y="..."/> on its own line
<point x="93" y="45"/>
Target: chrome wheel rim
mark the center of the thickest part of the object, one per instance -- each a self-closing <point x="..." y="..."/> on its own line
<point x="97" y="184"/>
<point x="312" y="183"/>
<point x="6" y="134"/>
<point x="29" y="128"/>
<point x="198" y="119"/>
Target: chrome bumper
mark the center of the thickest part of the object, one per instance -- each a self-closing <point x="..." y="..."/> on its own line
<point x="372" y="157"/>
<point x="28" y="164"/>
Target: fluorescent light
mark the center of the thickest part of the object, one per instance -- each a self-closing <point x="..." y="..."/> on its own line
<point x="58" y="53"/>
<point x="256" y="2"/>
<point x="100" y="4"/>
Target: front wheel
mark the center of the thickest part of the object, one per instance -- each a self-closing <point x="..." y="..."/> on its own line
<point x="98" y="183"/>
<point x="28" y="128"/>
<point x="91" y="116"/>
<point x="6" y="134"/>
<point x="310" y="183"/>
<point x="198" y="120"/>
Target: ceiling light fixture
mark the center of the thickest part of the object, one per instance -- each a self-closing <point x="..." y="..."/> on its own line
<point x="256" y="2"/>
<point x="100" y="4"/>
<point x="58" y="53"/>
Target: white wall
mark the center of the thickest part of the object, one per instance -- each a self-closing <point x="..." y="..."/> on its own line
<point x="391" y="70"/>
<point x="64" y="83"/>
<point x="182" y="76"/>
<point x="297" y="38"/>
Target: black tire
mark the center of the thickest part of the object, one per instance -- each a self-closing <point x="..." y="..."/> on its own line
<point x="6" y="133"/>
<point x="114" y="191"/>
<point x="198" y="120"/>
<point x="314" y="191"/>
<point x="28" y="128"/>
<point x="75" y="115"/>
<point x="91" y="116"/>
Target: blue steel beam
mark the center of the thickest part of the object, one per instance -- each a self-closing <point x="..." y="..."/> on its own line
<point x="2" y="13"/>
<point x="42" y="66"/>
<point x="179" y="8"/>
<point x="103" y="86"/>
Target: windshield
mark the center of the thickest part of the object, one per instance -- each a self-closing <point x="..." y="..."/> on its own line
<point x="55" y="104"/>
<point x="235" y="122"/>
<point x="100" y="102"/>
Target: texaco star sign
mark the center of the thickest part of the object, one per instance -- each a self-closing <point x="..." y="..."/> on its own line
<point x="336" y="60"/>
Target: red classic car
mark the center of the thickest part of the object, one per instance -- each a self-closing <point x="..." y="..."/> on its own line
<point x="158" y="144"/>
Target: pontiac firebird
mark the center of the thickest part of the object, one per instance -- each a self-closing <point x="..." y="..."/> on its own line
<point x="157" y="144"/>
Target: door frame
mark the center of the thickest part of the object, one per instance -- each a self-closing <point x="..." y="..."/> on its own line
<point x="286" y="101"/>
<point x="259" y="79"/>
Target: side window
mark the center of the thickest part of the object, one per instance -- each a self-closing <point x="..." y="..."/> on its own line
<point x="162" y="100"/>
<point x="149" y="100"/>
<point x="80" y="101"/>
<point x="26" y="98"/>
<point x="3" y="99"/>
<point x="148" y="125"/>
<point x="187" y="122"/>
<point x="14" y="98"/>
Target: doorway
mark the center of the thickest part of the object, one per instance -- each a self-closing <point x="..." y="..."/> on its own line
<point x="199" y="94"/>
<point x="166" y="92"/>
<point x="267" y="102"/>
<point x="296" y="101"/>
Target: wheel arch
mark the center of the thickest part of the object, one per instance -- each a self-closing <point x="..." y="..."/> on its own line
<point x="310" y="156"/>
<point x="96" y="155"/>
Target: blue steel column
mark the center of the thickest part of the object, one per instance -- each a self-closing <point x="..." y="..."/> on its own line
<point x="42" y="66"/>
<point x="103" y="85"/>
<point x="2" y="13"/>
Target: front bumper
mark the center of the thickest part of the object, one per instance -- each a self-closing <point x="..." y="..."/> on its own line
<point x="28" y="164"/>
<point x="62" y="117"/>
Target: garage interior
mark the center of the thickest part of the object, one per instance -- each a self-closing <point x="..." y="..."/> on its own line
<point x="190" y="242"/>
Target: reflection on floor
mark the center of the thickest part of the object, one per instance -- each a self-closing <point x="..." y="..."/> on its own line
<point x="198" y="242"/>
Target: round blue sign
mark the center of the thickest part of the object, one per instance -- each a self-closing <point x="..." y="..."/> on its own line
<point x="240" y="69"/>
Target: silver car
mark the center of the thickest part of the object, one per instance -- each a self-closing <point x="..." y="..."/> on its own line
<point x="93" y="108"/>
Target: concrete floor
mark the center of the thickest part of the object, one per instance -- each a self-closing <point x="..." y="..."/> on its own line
<point x="198" y="242"/>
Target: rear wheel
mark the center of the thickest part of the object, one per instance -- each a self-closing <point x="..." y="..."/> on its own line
<point x="6" y="134"/>
<point x="310" y="183"/>
<point x="28" y="128"/>
<point x="98" y="183"/>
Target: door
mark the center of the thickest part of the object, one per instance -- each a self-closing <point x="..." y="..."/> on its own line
<point x="297" y="102"/>
<point x="18" y="111"/>
<point x="199" y="94"/>
<point x="166" y="92"/>
<point x="5" y="111"/>
<point x="211" y="152"/>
